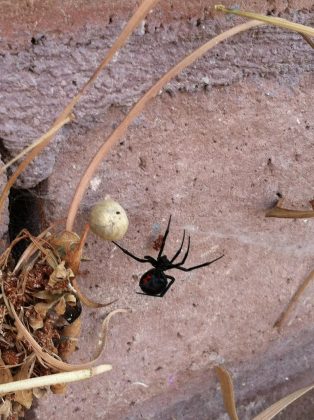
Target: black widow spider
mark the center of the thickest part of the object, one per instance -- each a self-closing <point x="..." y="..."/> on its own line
<point x="155" y="282"/>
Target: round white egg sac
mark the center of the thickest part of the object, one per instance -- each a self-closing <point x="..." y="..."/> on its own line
<point x="108" y="220"/>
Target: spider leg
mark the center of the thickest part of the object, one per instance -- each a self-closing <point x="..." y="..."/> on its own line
<point x="184" y="258"/>
<point x="179" y="250"/>
<point x="146" y="294"/>
<point x="141" y="260"/>
<point x="172" y="280"/>
<point x="196" y="266"/>
<point x="151" y="260"/>
<point x="164" y="239"/>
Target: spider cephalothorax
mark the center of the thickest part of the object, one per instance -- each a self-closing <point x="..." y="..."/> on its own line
<point x="155" y="282"/>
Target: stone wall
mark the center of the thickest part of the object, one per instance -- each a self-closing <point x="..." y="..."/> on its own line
<point x="215" y="149"/>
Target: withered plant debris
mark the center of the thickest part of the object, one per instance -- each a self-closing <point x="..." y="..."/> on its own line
<point x="227" y="390"/>
<point x="35" y="337"/>
<point x="293" y="301"/>
<point x="279" y="211"/>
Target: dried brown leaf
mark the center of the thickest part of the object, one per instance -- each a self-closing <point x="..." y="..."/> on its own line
<point x="36" y="322"/>
<point x="65" y="243"/>
<point x="25" y="398"/>
<point x="5" y="373"/>
<point x="59" y="388"/>
<point x="60" y="306"/>
<point x="45" y="295"/>
<point x="70" y="298"/>
<point x="60" y="279"/>
<point x="72" y="330"/>
<point x="43" y="307"/>
<point x="6" y="409"/>
<point x="70" y="247"/>
<point x="40" y="392"/>
<point x="69" y="336"/>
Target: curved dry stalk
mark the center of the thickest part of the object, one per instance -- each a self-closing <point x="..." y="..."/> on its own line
<point x="31" y="249"/>
<point x="87" y="301"/>
<point x="51" y="132"/>
<point x="37" y="245"/>
<point x="135" y="19"/>
<point x="74" y="257"/>
<point x="6" y="254"/>
<point x="270" y="20"/>
<point x="57" y="378"/>
<point x="283" y="213"/>
<point x="279" y="211"/>
<point x="308" y="40"/>
<point x="137" y="109"/>
<point x="227" y="391"/>
<point x="293" y="301"/>
<point x="280" y="405"/>
<point x="58" y="364"/>
<point x="104" y="332"/>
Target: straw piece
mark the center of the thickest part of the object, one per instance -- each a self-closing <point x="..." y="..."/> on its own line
<point x="270" y="20"/>
<point x="57" y="378"/>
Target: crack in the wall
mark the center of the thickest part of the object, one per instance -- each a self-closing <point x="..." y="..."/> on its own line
<point x="26" y="211"/>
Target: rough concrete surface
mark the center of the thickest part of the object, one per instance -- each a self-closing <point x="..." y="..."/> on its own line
<point x="215" y="149"/>
<point x="39" y="77"/>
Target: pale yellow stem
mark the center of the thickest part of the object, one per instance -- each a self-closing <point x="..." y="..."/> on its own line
<point x="57" y="378"/>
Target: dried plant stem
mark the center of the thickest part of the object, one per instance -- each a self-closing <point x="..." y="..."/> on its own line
<point x="58" y="364"/>
<point x="53" y="130"/>
<point x="57" y="378"/>
<point x="227" y="391"/>
<point x="279" y="211"/>
<point x="87" y="301"/>
<point x="137" y="109"/>
<point x="280" y="405"/>
<point x="308" y="40"/>
<point x="32" y="248"/>
<point x="283" y="317"/>
<point x="270" y="20"/>
<point x="41" y="143"/>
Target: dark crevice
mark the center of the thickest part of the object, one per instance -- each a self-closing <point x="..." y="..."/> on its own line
<point x="38" y="39"/>
<point x="26" y="211"/>
<point x="4" y="153"/>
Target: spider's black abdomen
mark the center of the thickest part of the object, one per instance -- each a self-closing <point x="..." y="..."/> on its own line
<point x="153" y="282"/>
